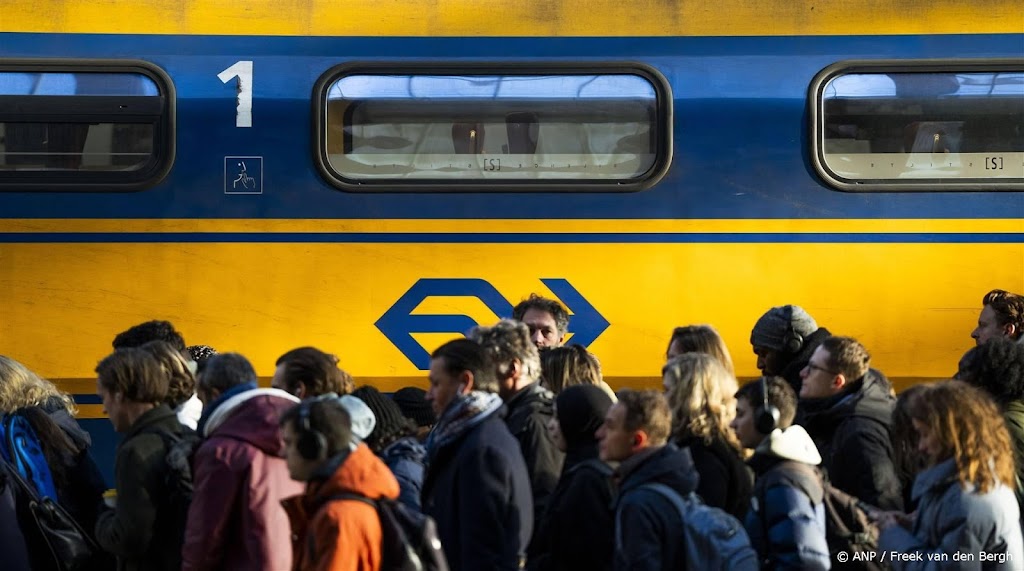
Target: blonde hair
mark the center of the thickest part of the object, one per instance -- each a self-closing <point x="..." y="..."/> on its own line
<point x="20" y="387"/>
<point x="701" y="395"/>
<point x="702" y="339"/>
<point x="970" y="428"/>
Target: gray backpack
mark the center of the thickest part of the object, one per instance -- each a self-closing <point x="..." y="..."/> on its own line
<point x="714" y="539"/>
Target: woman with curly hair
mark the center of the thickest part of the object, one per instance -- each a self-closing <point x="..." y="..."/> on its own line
<point x="965" y="500"/>
<point x="701" y="393"/>
<point x="76" y="479"/>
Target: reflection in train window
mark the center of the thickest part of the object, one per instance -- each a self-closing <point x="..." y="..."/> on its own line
<point x="933" y="129"/>
<point x="405" y="130"/>
<point x="83" y="126"/>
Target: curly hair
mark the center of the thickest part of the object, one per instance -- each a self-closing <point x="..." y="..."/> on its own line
<point x="181" y="382"/>
<point x="701" y="394"/>
<point x="997" y="367"/>
<point x="557" y="311"/>
<point x="508" y="341"/>
<point x="701" y="339"/>
<point x="969" y="427"/>
<point x="20" y="388"/>
<point x="1008" y="307"/>
<point x="563" y="367"/>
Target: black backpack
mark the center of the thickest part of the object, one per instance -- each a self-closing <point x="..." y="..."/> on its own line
<point x="848" y="528"/>
<point x="177" y="478"/>
<point x="409" y="538"/>
<point x="55" y="540"/>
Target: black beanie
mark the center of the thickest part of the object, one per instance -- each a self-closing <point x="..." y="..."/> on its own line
<point x="414" y="405"/>
<point x="389" y="416"/>
<point x="581" y="410"/>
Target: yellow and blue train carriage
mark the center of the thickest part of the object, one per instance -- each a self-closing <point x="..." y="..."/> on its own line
<point x="374" y="177"/>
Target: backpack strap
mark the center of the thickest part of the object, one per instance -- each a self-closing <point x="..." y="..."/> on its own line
<point x="662" y="490"/>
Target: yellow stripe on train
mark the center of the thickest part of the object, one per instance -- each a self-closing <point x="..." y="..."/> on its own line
<point x="912" y="304"/>
<point x="474" y="18"/>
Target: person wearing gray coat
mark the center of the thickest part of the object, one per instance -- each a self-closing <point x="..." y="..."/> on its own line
<point x="967" y="516"/>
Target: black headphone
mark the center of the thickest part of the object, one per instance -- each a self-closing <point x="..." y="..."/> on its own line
<point x="768" y="417"/>
<point x="311" y="444"/>
<point x="791" y="340"/>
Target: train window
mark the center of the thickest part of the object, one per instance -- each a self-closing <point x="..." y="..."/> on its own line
<point x="556" y="128"/>
<point x="920" y="125"/>
<point x="84" y="125"/>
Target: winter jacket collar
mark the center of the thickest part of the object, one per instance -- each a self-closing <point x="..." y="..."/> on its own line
<point x="793" y="443"/>
<point x="665" y="464"/>
<point x="215" y="403"/>
<point x="356" y="472"/>
<point x="532" y="395"/>
<point x="151" y="418"/>
<point x="222" y="409"/>
<point x="460" y="416"/>
<point x="940" y="475"/>
<point x="867" y="397"/>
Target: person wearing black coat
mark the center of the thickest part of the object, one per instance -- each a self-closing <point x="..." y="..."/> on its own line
<point x="141" y="530"/>
<point x="847" y="410"/>
<point x="576" y="531"/>
<point x="477" y="490"/>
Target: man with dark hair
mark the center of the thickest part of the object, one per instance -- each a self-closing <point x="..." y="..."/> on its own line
<point x="143" y="333"/>
<point x="476" y="487"/>
<point x="516" y="363"/>
<point x="235" y="520"/>
<point x="635" y="432"/>
<point x="786" y="521"/>
<point x="783" y="340"/>
<point x="547" y="320"/>
<point x="329" y="532"/>
<point x="847" y="409"/>
<point x="1002" y="315"/>
<point x="309" y="372"/>
<point x="133" y="387"/>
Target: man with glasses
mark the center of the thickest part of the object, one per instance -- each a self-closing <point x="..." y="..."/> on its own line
<point x="847" y="409"/>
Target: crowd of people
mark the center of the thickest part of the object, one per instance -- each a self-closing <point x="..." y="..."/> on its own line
<point x="523" y="457"/>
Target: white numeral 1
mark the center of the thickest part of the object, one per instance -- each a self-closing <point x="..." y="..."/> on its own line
<point x="243" y="71"/>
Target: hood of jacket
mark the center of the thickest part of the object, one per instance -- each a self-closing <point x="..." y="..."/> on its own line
<point x="407" y="448"/>
<point x="868" y="397"/>
<point x="667" y="465"/>
<point x="252" y="416"/>
<point x="531" y="398"/>
<point x="361" y="472"/>
<point x="59" y="414"/>
<point x="793" y="443"/>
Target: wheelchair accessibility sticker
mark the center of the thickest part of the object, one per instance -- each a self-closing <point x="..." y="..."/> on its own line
<point x="398" y="323"/>
<point x="243" y="175"/>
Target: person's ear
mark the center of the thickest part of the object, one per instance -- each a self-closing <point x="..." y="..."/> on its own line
<point x="640" y="440"/>
<point x="300" y="390"/>
<point x="465" y="382"/>
<point x="839" y="381"/>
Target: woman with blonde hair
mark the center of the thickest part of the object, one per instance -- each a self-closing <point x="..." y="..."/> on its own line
<point x="699" y="339"/>
<point x="701" y="393"/>
<point x="570" y="365"/>
<point x="33" y="404"/>
<point x="965" y="499"/>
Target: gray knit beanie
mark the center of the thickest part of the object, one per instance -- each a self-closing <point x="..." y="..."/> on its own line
<point x="770" y="330"/>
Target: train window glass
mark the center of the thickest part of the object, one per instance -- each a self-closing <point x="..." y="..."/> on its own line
<point x="67" y="128"/>
<point x="929" y="130"/>
<point x="434" y="130"/>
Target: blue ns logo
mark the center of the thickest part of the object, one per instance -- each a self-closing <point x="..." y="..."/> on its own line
<point x="398" y="324"/>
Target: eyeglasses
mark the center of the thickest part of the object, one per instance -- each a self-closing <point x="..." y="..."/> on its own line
<point x="814" y="367"/>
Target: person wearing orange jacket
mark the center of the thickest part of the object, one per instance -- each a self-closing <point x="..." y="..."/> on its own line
<point x="331" y="532"/>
